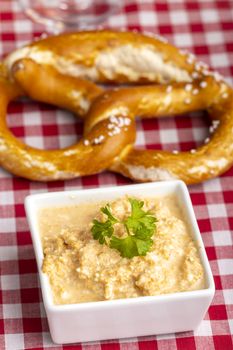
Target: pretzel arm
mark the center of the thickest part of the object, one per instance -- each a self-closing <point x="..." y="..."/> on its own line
<point x="203" y="163"/>
<point x="207" y="161"/>
<point x="75" y="94"/>
<point x="153" y="101"/>
<point x="109" y="56"/>
<point x="88" y="156"/>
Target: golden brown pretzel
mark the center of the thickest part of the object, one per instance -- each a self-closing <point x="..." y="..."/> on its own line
<point x="55" y="70"/>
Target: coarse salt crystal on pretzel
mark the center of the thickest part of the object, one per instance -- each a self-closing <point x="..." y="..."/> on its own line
<point x="62" y="70"/>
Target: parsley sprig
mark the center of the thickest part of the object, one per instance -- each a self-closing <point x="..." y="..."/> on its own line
<point x="139" y="227"/>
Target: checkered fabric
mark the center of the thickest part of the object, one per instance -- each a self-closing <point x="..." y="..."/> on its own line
<point x="206" y="29"/>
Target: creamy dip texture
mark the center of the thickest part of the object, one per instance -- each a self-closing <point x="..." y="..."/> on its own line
<point x="80" y="269"/>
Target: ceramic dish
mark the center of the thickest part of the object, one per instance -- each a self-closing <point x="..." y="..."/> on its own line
<point x="124" y="317"/>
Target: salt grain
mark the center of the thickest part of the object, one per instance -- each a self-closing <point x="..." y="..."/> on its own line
<point x="190" y="60"/>
<point x="169" y="89"/>
<point x="215" y="123"/>
<point x="198" y="66"/>
<point x="203" y="84"/>
<point x="86" y="142"/>
<point x="211" y="129"/>
<point x="98" y="140"/>
<point x="195" y="75"/>
<point x="195" y="91"/>
<point x="188" y="87"/>
<point x="187" y="101"/>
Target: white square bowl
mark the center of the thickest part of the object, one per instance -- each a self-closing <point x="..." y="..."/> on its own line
<point x="122" y="318"/>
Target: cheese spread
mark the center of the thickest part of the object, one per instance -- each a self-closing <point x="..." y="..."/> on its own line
<point x="80" y="269"/>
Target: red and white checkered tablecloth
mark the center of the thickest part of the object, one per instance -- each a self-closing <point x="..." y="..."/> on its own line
<point x="205" y="27"/>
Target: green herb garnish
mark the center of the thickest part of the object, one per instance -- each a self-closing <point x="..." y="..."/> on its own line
<point x="139" y="227"/>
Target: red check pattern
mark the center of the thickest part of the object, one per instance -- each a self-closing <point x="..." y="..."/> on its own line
<point x="205" y="27"/>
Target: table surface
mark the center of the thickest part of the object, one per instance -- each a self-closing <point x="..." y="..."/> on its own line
<point x="206" y="29"/>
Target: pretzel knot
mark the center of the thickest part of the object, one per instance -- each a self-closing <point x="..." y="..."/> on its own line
<point x="63" y="70"/>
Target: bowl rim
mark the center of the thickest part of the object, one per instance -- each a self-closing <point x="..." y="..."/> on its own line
<point x="177" y="185"/>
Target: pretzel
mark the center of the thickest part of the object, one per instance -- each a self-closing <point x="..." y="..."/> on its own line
<point x="63" y="70"/>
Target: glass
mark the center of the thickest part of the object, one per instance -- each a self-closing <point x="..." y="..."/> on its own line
<point x="61" y="15"/>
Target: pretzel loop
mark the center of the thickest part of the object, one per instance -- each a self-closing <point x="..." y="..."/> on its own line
<point x="67" y="68"/>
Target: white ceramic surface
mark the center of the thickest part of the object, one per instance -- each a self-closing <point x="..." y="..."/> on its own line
<point x="126" y="317"/>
